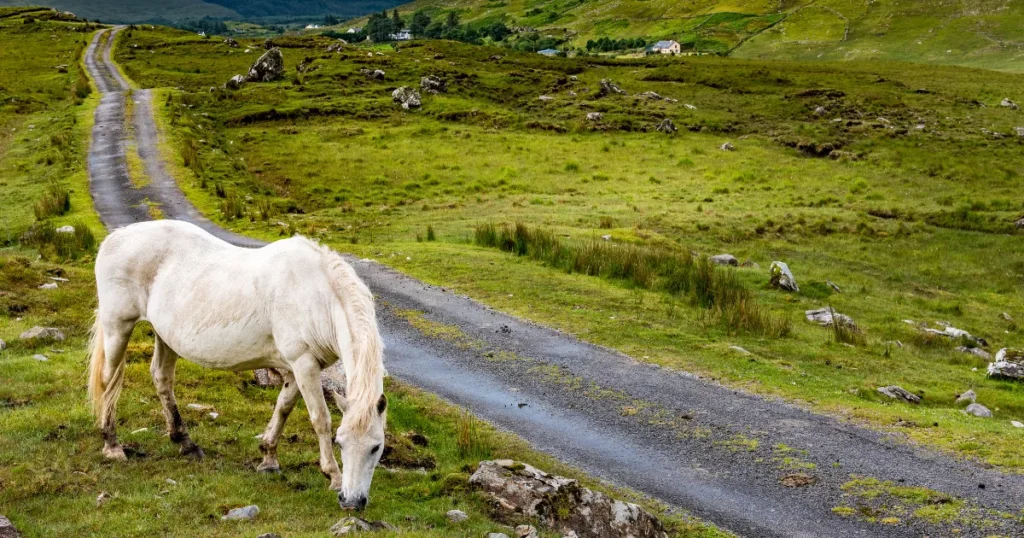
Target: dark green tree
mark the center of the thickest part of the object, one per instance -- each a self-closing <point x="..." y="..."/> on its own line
<point x="452" y="21"/>
<point x="396" y="19"/>
<point x="420" y="22"/>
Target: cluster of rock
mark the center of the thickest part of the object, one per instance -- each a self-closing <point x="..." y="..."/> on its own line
<point x="373" y="74"/>
<point x="1009" y="104"/>
<point x="607" y="87"/>
<point x="433" y="84"/>
<point x="653" y="96"/>
<point x="231" y="43"/>
<point x="562" y="504"/>
<point x="407" y="97"/>
<point x="666" y="126"/>
<point x="337" y="47"/>
<point x="268" y="68"/>
<point x="827" y="317"/>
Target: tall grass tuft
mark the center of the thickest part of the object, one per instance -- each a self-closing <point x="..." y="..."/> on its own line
<point x="60" y="245"/>
<point x="55" y="202"/>
<point x="232" y="206"/>
<point x="431" y="236"/>
<point x="704" y="284"/>
<point x="190" y="156"/>
<point x="467" y="437"/>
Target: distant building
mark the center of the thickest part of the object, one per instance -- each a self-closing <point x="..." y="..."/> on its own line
<point x="404" y="34"/>
<point x="355" y="30"/>
<point x="312" y="26"/>
<point x="666" y="47"/>
<point x="548" y="52"/>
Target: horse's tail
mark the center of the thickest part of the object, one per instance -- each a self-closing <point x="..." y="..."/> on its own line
<point x="103" y="395"/>
<point x="367" y="346"/>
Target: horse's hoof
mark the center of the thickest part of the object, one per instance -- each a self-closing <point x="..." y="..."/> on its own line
<point x="269" y="468"/>
<point x="192" y="451"/>
<point x="115" y="453"/>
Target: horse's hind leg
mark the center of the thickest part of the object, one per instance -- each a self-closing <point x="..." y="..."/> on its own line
<point x="115" y="336"/>
<point x="162" y="370"/>
<point x="285" y="403"/>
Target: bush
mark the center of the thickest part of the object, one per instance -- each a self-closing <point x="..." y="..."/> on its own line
<point x="56" y="202"/>
<point x="431" y="236"/>
<point x="232" y="207"/>
<point x="52" y="244"/>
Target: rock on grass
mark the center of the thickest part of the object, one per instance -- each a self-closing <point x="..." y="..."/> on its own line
<point x="351" y="525"/>
<point x="43" y="334"/>
<point x="245" y="513"/>
<point x="7" y="529"/>
<point x="899" y="393"/>
<point x="457" y="516"/>
<point x="978" y="410"/>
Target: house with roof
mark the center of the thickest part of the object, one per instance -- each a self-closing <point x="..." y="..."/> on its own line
<point x="666" y="47"/>
<point x="404" y="34"/>
<point x="549" y="52"/>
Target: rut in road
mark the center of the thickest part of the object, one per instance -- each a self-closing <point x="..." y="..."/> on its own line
<point x="718" y="453"/>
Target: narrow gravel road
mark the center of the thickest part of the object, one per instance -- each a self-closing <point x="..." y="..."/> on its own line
<point x="718" y="453"/>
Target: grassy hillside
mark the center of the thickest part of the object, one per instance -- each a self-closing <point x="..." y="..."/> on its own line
<point x="132" y="11"/>
<point x="885" y="179"/>
<point x="989" y="33"/>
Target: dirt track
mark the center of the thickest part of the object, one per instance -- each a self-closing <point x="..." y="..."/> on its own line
<point x="566" y="396"/>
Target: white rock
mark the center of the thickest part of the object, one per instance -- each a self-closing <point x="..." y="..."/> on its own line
<point x="140" y="430"/>
<point x="102" y="498"/>
<point x="214" y="415"/>
<point x="899" y="393"/>
<point x="171" y="482"/>
<point x="967" y="397"/>
<point x="526" y="531"/>
<point x="3" y="345"/>
<point x="65" y="230"/>
<point x="781" y="277"/>
<point x="40" y="358"/>
<point x="689" y="106"/>
<point x="827" y="316"/>
<point x="739" y="350"/>
<point x="1016" y="424"/>
<point x="48" y="286"/>
<point x="245" y="513"/>
<point x="727" y="147"/>
<point x="978" y="410"/>
<point x="43" y="333"/>
<point x="497" y="535"/>
<point x="199" y="407"/>
<point x="457" y="516"/>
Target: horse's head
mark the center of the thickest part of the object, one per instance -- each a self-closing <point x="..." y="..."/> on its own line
<point x="361" y="441"/>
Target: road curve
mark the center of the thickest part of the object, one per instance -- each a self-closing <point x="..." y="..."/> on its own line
<point x="566" y="396"/>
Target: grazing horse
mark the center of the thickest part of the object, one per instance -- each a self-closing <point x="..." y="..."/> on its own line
<point x="292" y="305"/>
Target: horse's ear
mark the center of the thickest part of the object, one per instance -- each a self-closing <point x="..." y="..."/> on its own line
<point x="382" y="404"/>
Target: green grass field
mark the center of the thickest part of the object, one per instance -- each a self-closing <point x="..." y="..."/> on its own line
<point x="51" y="467"/>
<point x="912" y="217"/>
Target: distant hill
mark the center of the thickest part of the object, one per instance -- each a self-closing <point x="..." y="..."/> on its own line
<point x="135" y="11"/>
<point x="980" y="33"/>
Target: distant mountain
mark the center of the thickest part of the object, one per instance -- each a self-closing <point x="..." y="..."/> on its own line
<point x="135" y="11"/>
<point x="982" y="33"/>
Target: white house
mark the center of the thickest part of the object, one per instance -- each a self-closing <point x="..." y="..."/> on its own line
<point x="666" y="47"/>
<point x="313" y="26"/>
<point x="404" y="34"/>
<point x="355" y="30"/>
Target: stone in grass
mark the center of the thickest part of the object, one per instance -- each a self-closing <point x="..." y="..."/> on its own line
<point x="1017" y="424"/>
<point x="235" y="82"/>
<point x="976" y="351"/>
<point x="968" y="397"/>
<point x="827" y="317"/>
<point x="978" y="410"/>
<point x="7" y="529"/>
<point x="497" y="535"/>
<point x="457" y="516"/>
<point x="268" y="68"/>
<point x="65" y="230"/>
<point x="727" y="147"/>
<point x="48" y="286"/>
<point x="1009" y="363"/>
<point x="351" y="525"/>
<point x="666" y="126"/>
<point x="43" y="333"/>
<point x="781" y="277"/>
<point x="407" y="97"/>
<point x="526" y="531"/>
<point x="245" y="513"/>
<point x="40" y="358"/>
<point x="594" y="116"/>
<point x="269" y="535"/>
<point x="899" y="393"/>
<point x="724" y="259"/>
<point x="3" y="345"/>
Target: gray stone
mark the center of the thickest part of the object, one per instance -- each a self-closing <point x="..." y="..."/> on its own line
<point x="560" y="503"/>
<point x="546" y="98"/>
<point x="457" y="516"/>
<point x="834" y="286"/>
<point x="978" y="410"/>
<point x="739" y="350"/>
<point x="899" y="393"/>
<point x="819" y="111"/>
<point x="827" y="316"/>
<point x="1019" y="224"/>
<point x="235" y="82"/>
<point x="952" y="332"/>
<point x="7" y="529"/>
<point x="976" y="351"/>
<point x="594" y="116"/>
<point x="496" y="535"/>
<point x="375" y="74"/>
<point x="727" y="147"/>
<point x="526" y="531"/>
<point x="352" y="525"/>
<point x="269" y="535"/>
<point x="407" y="97"/>
<point x="245" y="513"/>
<point x="268" y="68"/>
<point x="1009" y="104"/>
<point x="432" y="84"/>
<point x="968" y="397"/>
<point x="3" y="345"/>
<point x="267" y="377"/>
<point x="724" y="259"/>
<point x="666" y="126"/>
<point x="1019" y="131"/>
<point x="40" y="358"/>
<point x="607" y="87"/>
<point x="48" y="286"/>
<point x="1009" y="363"/>
<point x="231" y="42"/>
<point x="65" y="230"/>
<point x="43" y="333"/>
<point x="781" y="277"/>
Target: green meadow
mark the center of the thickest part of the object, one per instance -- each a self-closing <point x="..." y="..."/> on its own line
<point x="53" y="478"/>
<point x="898" y="183"/>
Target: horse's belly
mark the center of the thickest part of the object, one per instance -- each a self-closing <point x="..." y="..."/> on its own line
<point x="223" y="348"/>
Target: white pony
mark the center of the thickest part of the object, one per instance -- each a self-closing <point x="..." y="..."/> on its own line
<point x="292" y="305"/>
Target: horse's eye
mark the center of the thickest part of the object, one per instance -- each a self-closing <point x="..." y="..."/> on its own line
<point x="374" y="449"/>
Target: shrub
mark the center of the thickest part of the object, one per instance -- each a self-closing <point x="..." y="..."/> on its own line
<point x="52" y="244"/>
<point x="265" y="208"/>
<point x="431" y="236"/>
<point x="606" y="223"/>
<point x="55" y="202"/>
<point x="232" y="207"/>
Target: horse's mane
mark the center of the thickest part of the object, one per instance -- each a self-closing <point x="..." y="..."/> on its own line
<point x="365" y="383"/>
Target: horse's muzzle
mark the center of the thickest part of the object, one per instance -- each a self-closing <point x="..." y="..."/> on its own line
<point x="355" y="504"/>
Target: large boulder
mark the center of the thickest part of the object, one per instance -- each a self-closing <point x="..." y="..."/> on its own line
<point x="7" y="529"/>
<point x="781" y="277"/>
<point x="268" y="68"/>
<point x="407" y="97"/>
<point x="826" y="317"/>
<point x="1009" y="363"/>
<point x="560" y="503"/>
<point x="899" y="393"/>
<point x="432" y="84"/>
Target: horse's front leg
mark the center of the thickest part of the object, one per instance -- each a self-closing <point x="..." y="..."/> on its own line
<point x="307" y="377"/>
<point x="285" y="403"/>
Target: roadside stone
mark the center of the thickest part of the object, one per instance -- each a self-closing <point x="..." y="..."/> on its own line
<point x="65" y="230"/>
<point x="1009" y="104"/>
<point x="781" y="277"/>
<point x="43" y="333"/>
<point x="594" y="116"/>
<point x="978" y="410"/>
<point x="899" y="393"/>
<point x="457" y="516"/>
<point x="235" y="82"/>
<point x="8" y="530"/>
<point x="1009" y="363"/>
<point x="607" y="87"/>
<point x="407" y="97"/>
<point x="827" y="316"/>
<point x="968" y="397"/>
<point x="562" y="504"/>
<point x="245" y="513"/>
<point x="727" y="147"/>
<point x="433" y="84"/>
<point x="268" y="68"/>
<point x="526" y="531"/>
<point x="725" y="259"/>
<point x="352" y="525"/>
<point x="976" y="351"/>
<point x="666" y="126"/>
